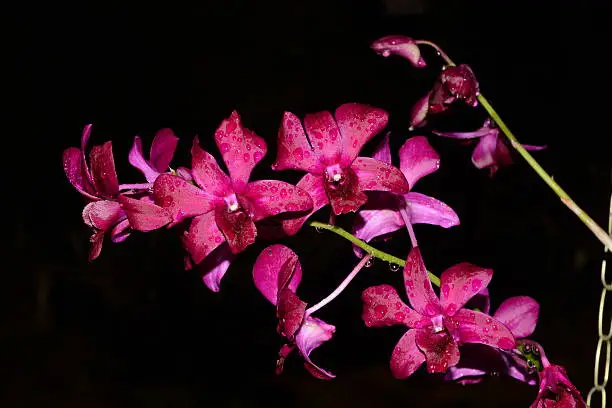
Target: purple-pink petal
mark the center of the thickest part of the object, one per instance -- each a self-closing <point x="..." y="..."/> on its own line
<point x="418" y="286"/>
<point x="268" y="268"/>
<point x="486" y="152"/>
<point x="144" y="215"/>
<point x="483" y="131"/>
<point x="75" y="169"/>
<point x="460" y="283"/>
<point x="311" y="335"/>
<point x="237" y="227"/>
<point x="399" y="45"/>
<point x="137" y="159"/>
<point x="382" y="307"/>
<point x="241" y="149"/>
<point x="95" y="245"/>
<point x="469" y="326"/>
<point x="102" y="167"/>
<point x="294" y="150"/>
<point x="290" y="310"/>
<point x="406" y="357"/>
<point x="418" y="159"/>
<point x="314" y="186"/>
<point x="215" y="265"/>
<point x="383" y="150"/>
<point x="423" y="209"/>
<point x="440" y="350"/>
<point x="358" y="123"/>
<point x="162" y="149"/>
<point x="324" y="136"/>
<point x="181" y="198"/>
<point x="375" y="175"/>
<point x="207" y="173"/>
<point x="102" y="215"/>
<point x="419" y="111"/>
<point x="374" y="223"/>
<point x="121" y="231"/>
<point x="202" y="237"/>
<point x="519" y="314"/>
<point x="272" y="197"/>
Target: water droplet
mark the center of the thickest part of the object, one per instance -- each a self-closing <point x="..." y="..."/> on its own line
<point x="319" y="230"/>
<point x="494" y="373"/>
<point x="225" y="147"/>
<point x="393" y="267"/>
<point x="257" y="156"/>
<point x="369" y="263"/>
<point x="380" y="311"/>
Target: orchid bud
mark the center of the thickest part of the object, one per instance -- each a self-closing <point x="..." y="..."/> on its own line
<point x="399" y="45"/>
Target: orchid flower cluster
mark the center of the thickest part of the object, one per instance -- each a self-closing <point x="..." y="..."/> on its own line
<point x="218" y="212"/>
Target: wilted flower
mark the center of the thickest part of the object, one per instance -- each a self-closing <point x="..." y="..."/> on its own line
<point x="491" y="151"/>
<point x="277" y="273"/>
<point x="399" y="45"/>
<point x="329" y="154"/>
<point x="438" y="326"/>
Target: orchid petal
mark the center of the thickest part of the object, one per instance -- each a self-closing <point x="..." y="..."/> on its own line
<point x="383" y="150"/>
<point x="419" y="111"/>
<point x="470" y="326"/>
<point x="519" y="314"/>
<point x="84" y="140"/>
<point x="481" y="302"/>
<point x="214" y="266"/>
<point x="382" y="307"/>
<point x="290" y="310"/>
<point x="102" y="215"/>
<point x="95" y="245"/>
<point x="399" y="45"/>
<point x="460" y="283"/>
<point x="202" y="237"/>
<point x="271" y="197"/>
<point x="370" y="224"/>
<point x="313" y="185"/>
<point x="103" y="170"/>
<point x="423" y="209"/>
<point x="180" y="198"/>
<point x="476" y="361"/>
<point x="121" y="231"/>
<point x="137" y="159"/>
<point x="241" y="149"/>
<point x="484" y="154"/>
<point x="294" y="150"/>
<point x="358" y="123"/>
<point x="162" y="149"/>
<point x="311" y="335"/>
<point x="184" y="173"/>
<point x="237" y="227"/>
<point x="534" y="147"/>
<point x="74" y="167"/>
<point x="344" y="195"/>
<point x="440" y="350"/>
<point x="483" y="131"/>
<point x="418" y="159"/>
<point x="379" y="176"/>
<point x="207" y="173"/>
<point x="144" y="215"/>
<point x="406" y="357"/>
<point x="418" y="286"/>
<point x="269" y="267"/>
<point x="324" y="136"/>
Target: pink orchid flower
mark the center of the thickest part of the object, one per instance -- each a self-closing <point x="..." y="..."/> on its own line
<point x="491" y="151"/>
<point x="277" y="273"/>
<point x="437" y="326"/>
<point x="556" y="390"/>
<point x="336" y="175"/>
<point x="520" y="315"/>
<point x="98" y="183"/>
<point x="400" y="45"/>
<point x="162" y="150"/>
<point x="386" y="212"/>
<point x="223" y="209"/>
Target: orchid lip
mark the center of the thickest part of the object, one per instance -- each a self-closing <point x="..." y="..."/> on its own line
<point x="231" y="203"/>
<point x="334" y="174"/>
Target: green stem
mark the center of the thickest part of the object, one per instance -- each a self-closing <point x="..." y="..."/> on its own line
<point x="605" y="238"/>
<point x="376" y="253"/>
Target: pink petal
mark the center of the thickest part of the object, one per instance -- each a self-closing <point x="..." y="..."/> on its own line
<point x="215" y="265"/>
<point x="272" y="197"/>
<point x="313" y="185"/>
<point x="84" y="140"/>
<point x="344" y="195"/>
<point x="237" y="227"/>
<point x="399" y="45"/>
<point x="207" y="173"/>
<point x="290" y="311"/>
<point x="358" y="123"/>
<point x="241" y="149"/>
<point x="269" y="266"/>
<point x="419" y="111"/>
<point x="427" y="210"/>
<point x="102" y="215"/>
<point x="418" y="286"/>
<point x="311" y="335"/>
<point x="484" y="153"/>
<point x="418" y="159"/>
<point x="95" y="245"/>
<point x="469" y="326"/>
<point x="324" y="137"/>
<point x="379" y="176"/>
<point x="483" y="131"/>
<point x="202" y="237"/>
<point x="162" y="149"/>
<point x="180" y="198"/>
<point x="103" y="170"/>
<point x="121" y="231"/>
<point x="383" y="150"/>
<point x="294" y="150"/>
<point x="144" y="215"/>
<point x="441" y="351"/>
<point x="382" y="307"/>
<point x="533" y="147"/>
<point x="460" y="283"/>
<point x="74" y="167"/>
<point x="184" y="173"/>
<point x="519" y="314"/>
<point x="374" y="223"/>
<point x="481" y="302"/>
<point x="406" y="357"/>
<point x="137" y="159"/>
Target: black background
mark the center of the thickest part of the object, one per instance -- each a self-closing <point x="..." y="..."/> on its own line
<point x="134" y="329"/>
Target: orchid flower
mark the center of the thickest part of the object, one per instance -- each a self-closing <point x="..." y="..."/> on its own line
<point x="97" y="182"/>
<point x="162" y="150"/>
<point x="399" y="45"/>
<point x="437" y="326"/>
<point x="387" y="212"/>
<point x="520" y="315"/>
<point x="556" y="390"/>
<point x="491" y="151"/>
<point x="277" y="273"/>
<point x="336" y="175"/>
<point x="223" y="209"/>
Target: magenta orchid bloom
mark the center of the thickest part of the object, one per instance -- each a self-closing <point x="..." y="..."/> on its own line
<point x="277" y="273"/>
<point x="400" y="45"/>
<point x="336" y="175"/>
<point x="162" y="150"/>
<point x="520" y="315"/>
<point x="491" y="151"/>
<point x="556" y="390"/>
<point x="386" y="212"/>
<point x="437" y="326"/>
<point x="98" y="183"/>
<point x="223" y="209"/>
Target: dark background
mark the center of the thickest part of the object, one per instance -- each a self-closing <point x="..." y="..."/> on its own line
<point x="134" y="329"/>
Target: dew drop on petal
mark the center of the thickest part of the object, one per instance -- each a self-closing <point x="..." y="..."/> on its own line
<point x="225" y="147"/>
<point x="369" y="263"/>
<point x="393" y="267"/>
<point x="380" y="311"/>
